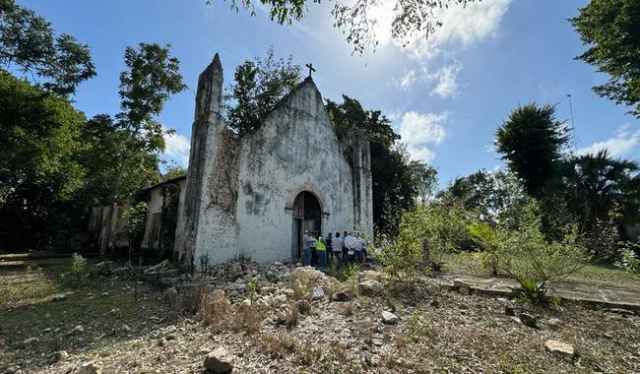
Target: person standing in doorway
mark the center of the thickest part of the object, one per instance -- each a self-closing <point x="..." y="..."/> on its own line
<point x="328" y="241"/>
<point x="308" y="241"/>
<point x="336" y="248"/>
<point x="345" y="251"/>
<point x="321" y="250"/>
<point x="350" y="244"/>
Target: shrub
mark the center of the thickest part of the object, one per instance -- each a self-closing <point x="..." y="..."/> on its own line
<point x="629" y="258"/>
<point x="427" y="235"/>
<point x="533" y="261"/>
<point x="78" y="270"/>
<point x="485" y="238"/>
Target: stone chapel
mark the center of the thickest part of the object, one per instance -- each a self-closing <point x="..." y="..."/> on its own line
<point x="255" y="196"/>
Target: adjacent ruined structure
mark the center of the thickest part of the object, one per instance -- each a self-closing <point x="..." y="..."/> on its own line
<point x="255" y="196"/>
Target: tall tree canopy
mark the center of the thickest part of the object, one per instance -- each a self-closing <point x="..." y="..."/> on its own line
<point x="597" y="188"/>
<point x="129" y="142"/>
<point x="412" y="18"/>
<point x="39" y="170"/>
<point x="28" y="43"/>
<point x="258" y="86"/>
<point x="531" y="140"/>
<point x="611" y="31"/>
<point x="397" y="181"/>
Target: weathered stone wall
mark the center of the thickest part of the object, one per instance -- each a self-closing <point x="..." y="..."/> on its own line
<point x="239" y="193"/>
<point x="295" y="150"/>
<point x="207" y="223"/>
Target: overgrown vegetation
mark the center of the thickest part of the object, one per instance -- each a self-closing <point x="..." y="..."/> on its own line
<point x="527" y="256"/>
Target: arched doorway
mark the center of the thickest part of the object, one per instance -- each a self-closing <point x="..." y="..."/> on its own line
<point x="307" y="216"/>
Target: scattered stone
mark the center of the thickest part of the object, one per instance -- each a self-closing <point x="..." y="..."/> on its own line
<point x="389" y="318"/>
<point x="461" y="287"/>
<point x="77" y="330"/>
<point x="370" y="275"/>
<point x="219" y="361"/>
<point x="370" y="288"/>
<point x="126" y="329"/>
<point x="60" y="356"/>
<point x="89" y="368"/>
<point x="279" y="299"/>
<point x="30" y="341"/>
<point x="529" y="320"/>
<point x="554" y="323"/>
<point x="621" y="311"/>
<point x="558" y="347"/>
<point x="317" y="294"/>
<point x="158" y="268"/>
<point x="509" y="311"/>
<point x="59" y="297"/>
<point x="343" y="295"/>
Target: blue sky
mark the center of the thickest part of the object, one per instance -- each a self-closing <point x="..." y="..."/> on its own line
<point x="446" y="96"/>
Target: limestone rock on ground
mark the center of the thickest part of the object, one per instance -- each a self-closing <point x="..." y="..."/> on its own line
<point x="30" y="341"/>
<point x="342" y="295"/>
<point x="370" y="288"/>
<point x="389" y="318"/>
<point x="219" y="361"/>
<point x="558" y="347"/>
<point x="529" y="320"/>
<point x="60" y="356"/>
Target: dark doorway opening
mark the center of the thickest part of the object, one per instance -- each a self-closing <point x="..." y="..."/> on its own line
<point x="307" y="216"/>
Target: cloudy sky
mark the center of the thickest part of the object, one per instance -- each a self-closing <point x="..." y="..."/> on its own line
<point x="446" y="96"/>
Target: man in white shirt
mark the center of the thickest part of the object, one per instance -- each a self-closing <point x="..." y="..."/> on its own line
<point x="336" y="246"/>
<point x="350" y="243"/>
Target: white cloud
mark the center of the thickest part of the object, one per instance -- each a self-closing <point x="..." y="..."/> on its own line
<point x="444" y="81"/>
<point x="620" y="145"/>
<point x="446" y="78"/>
<point x="176" y="148"/>
<point x="421" y="131"/>
<point x="461" y="27"/>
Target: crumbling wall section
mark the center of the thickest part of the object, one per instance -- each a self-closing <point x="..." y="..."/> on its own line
<point x="295" y="150"/>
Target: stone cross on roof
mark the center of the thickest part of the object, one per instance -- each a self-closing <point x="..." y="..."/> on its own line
<point x="311" y="69"/>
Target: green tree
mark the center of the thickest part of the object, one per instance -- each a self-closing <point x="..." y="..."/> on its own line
<point x="531" y="141"/>
<point x="174" y="171"/>
<point x="27" y="42"/>
<point x="488" y="196"/>
<point x="526" y="255"/>
<point x="397" y="182"/>
<point x="151" y="77"/>
<point x="39" y="171"/>
<point x="610" y="29"/>
<point x="258" y="86"/>
<point x="596" y="186"/>
<point x="412" y="18"/>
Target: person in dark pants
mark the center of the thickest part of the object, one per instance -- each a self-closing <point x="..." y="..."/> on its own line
<point x="327" y="241"/>
<point x="345" y="250"/>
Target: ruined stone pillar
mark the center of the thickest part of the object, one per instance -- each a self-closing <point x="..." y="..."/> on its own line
<point x="207" y="220"/>
<point x="362" y="186"/>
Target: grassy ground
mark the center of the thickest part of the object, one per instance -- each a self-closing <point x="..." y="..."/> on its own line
<point x="39" y="312"/>
<point x="469" y="263"/>
<point x="127" y="327"/>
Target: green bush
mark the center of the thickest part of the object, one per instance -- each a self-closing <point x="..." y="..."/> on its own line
<point x="78" y="270"/>
<point x="485" y="238"/>
<point x="629" y="258"/>
<point x="533" y="261"/>
<point x="427" y="234"/>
